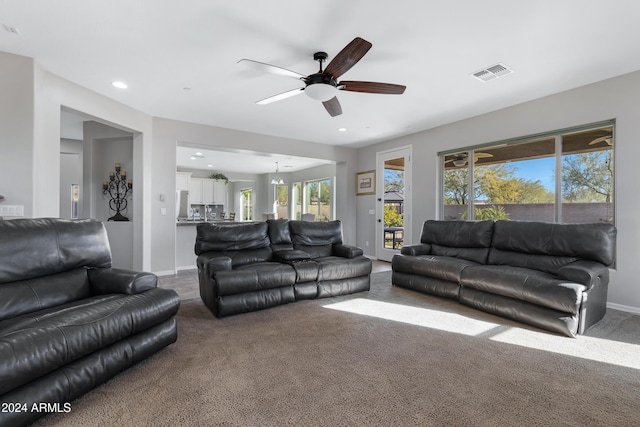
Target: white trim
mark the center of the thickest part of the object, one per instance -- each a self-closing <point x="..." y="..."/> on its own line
<point x="165" y="273"/>
<point x="620" y="307"/>
<point x="186" y="267"/>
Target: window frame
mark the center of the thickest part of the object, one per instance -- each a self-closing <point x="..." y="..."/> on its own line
<point x="557" y="134"/>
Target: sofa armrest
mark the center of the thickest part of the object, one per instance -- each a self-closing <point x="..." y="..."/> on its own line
<point x="415" y="250"/>
<point x="347" y="251"/>
<point x="215" y="263"/>
<point x="291" y="255"/>
<point x="119" y="281"/>
<point x="587" y="273"/>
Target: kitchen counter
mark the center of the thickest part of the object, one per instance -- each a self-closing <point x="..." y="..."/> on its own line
<point x="182" y="223"/>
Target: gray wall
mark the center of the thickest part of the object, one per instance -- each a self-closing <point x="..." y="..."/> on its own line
<point x="30" y="130"/>
<point x="615" y="98"/>
<point x="167" y="134"/>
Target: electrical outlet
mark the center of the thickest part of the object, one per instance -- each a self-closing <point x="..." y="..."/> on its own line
<point x="163" y="211"/>
<point x="367" y="242"/>
<point x="12" y="210"/>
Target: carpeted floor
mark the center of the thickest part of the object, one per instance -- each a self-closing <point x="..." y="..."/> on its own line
<point x="388" y="357"/>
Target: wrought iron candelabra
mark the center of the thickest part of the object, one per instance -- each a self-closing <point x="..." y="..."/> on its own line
<point x="118" y="187"/>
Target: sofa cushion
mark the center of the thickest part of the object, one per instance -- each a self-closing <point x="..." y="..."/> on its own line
<point x="315" y="233"/>
<point x="316" y="238"/>
<point x="546" y="263"/>
<point x="439" y="267"/>
<point x="35" y="344"/>
<point x="595" y="242"/>
<point x="478" y="255"/>
<point x="279" y="234"/>
<point x="253" y="277"/>
<point x="527" y="285"/>
<point x="232" y="236"/>
<point x="335" y="268"/>
<point x="26" y="296"/>
<point x="458" y="234"/>
<point x="31" y="248"/>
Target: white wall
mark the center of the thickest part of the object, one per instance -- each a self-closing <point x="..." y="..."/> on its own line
<point x="167" y="134"/>
<point x="615" y="98"/>
<point x="30" y="129"/>
<point x="16" y="131"/>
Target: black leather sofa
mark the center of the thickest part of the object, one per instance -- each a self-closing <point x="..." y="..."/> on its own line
<point x="68" y="321"/>
<point x="244" y="267"/>
<point x="553" y="276"/>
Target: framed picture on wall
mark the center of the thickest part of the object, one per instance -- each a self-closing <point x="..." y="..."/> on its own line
<point x="366" y="183"/>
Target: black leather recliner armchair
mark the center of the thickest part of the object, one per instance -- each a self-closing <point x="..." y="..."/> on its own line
<point x="68" y="321"/>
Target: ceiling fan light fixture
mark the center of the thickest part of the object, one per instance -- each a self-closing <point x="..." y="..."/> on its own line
<point x="320" y="91"/>
<point x="459" y="162"/>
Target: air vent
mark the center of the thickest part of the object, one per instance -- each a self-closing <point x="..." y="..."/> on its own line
<point x="10" y="29"/>
<point x="492" y="72"/>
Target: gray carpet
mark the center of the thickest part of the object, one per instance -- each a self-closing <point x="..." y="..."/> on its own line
<point x="388" y="357"/>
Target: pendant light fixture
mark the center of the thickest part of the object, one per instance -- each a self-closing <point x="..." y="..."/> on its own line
<point x="276" y="180"/>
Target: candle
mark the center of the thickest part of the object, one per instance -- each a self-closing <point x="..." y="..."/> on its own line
<point x="123" y="174"/>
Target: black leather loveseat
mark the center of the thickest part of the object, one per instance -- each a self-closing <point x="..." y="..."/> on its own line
<point x="553" y="276"/>
<point x="244" y="267"/>
<point x="69" y="322"/>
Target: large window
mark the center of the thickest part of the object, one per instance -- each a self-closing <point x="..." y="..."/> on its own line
<point x="563" y="177"/>
<point x="282" y="201"/>
<point x="297" y="200"/>
<point x="246" y="201"/>
<point x="317" y="197"/>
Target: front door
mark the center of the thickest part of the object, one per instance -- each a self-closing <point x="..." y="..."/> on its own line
<point x="393" y="201"/>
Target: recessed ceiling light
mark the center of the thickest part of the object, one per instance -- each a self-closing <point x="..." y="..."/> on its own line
<point x="192" y="157"/>
<point x="119" y="84"/>
<point x="198" y="154"/>
<point x="209" y="166"/>
<point x="342" y="129"/>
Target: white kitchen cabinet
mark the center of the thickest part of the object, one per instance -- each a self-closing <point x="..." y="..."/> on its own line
<point x="208" y="192"/>
<point x="195" y="191"/>
<point x="219" y="192"/>
<point x="182" y="180"/>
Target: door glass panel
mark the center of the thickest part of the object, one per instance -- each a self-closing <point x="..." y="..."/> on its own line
<point x="394" y="182"/>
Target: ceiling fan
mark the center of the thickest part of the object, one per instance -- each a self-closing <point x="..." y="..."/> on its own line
<point x="459" y="160"/>
<point x="606" y="139"/>
<point x="324" y="85"/>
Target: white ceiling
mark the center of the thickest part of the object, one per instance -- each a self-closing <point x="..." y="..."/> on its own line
<point x="161" y="47"/>
<point x="234" y="161"/>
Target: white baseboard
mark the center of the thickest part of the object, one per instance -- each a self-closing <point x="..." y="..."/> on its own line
<point x="186" y="267"/>
<point x="164" y="273"/>
<point x="621" y="307"/>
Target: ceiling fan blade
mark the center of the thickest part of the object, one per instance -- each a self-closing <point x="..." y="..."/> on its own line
<point x="372" y="87"/>
<point x="271" y="69"/>
<point x="606" y="139"/>
<point x="348" y="57"/>
<point x="280" y="96"/>
<point x="333" y="107"/>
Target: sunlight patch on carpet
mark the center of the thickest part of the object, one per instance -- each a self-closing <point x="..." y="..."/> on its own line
<point x="597" y="349"/>
<point x="434" y="319"/>
<point x="585" y="347"/>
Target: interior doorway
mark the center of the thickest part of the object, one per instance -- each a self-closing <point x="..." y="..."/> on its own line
<point x="393" y="201"/>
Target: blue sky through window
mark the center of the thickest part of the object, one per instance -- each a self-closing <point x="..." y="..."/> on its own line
<point x="542" y="170"/>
